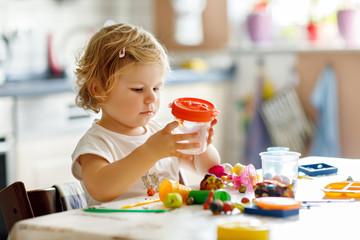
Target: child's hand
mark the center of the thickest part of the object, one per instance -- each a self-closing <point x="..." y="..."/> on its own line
<point x="211" y="131"/>
<point x="165" y="144"/>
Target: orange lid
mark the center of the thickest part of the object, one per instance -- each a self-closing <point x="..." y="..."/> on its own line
<point x="193" y="109"/>
<point x="278" y="203"/>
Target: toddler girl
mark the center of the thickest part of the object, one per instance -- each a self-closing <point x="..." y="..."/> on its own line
<point x="125" y="152"/>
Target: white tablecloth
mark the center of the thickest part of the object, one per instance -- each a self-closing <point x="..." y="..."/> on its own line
<point x="327" y="221"/>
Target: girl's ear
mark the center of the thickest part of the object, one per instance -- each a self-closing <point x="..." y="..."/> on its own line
<point x="94" y="91"/>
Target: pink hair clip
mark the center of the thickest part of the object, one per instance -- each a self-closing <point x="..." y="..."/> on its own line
<point x="122" y="53"/>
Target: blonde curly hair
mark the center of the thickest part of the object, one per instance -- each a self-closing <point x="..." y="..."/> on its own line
<point x="100" y="65"/>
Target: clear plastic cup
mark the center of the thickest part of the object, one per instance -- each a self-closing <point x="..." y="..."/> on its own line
<point x="190" y="127"/>
<point x="194" y="115"/>
<point x="281" y="166"/>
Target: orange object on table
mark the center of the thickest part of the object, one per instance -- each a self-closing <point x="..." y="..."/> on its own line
<point x="278" y="203"/>
<point x="345" y="189"/>
<point x="141" y="203"/>
<point x="170" y="186"/>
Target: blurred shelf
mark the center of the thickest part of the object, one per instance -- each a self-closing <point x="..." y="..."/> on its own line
<point x="35" y="87"/>
<point x="269" y="48"/>
<point x="185" y="76"/>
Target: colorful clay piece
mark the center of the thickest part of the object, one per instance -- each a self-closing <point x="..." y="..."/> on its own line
<point x="277" y="178"/>
<point x="190" y="200"/>
<point x="281" y="179"/>
<point x="248" y="177"/>
<point x="267" y="176"/>
<point x="228" y="207"/>
<point x="200" y="196"/>
<point x="170" y="186"/>
<point x="216" y="206"/>
<point x="226" y="178"/>
<point x="218" y="171"/>
<point x="211" y="182"/>
<point x="173" y="200"/>
<point x="237" y="169"/>
<point x="208" y="200"/>
<point x="286" y="180"/>
<point x="273" y="189"/>
<point x="151" y="192"/>
<point x="242" y="188"/>
<point x="239" y="206"/>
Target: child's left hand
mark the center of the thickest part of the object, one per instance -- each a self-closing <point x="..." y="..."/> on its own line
<point x="211" y="131"/>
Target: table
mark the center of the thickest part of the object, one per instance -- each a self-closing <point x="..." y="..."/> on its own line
<point x="327" y="221"/>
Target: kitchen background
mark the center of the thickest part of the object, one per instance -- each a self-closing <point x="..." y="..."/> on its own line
<point x="281" y="73"/>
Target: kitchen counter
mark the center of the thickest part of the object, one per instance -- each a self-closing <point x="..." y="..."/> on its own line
<point x="35" y="87"/>
<point x="60" y="85"/>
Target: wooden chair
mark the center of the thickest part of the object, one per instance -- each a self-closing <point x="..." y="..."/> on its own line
<point x="18" y="204"/>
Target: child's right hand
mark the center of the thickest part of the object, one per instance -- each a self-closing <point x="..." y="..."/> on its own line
<point x="166" y="144"/>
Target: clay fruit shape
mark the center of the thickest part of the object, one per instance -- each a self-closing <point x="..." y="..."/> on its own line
<point x="173" y="200"/>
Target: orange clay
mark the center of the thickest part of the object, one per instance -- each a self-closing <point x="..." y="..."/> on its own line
<point x="170" y="186"/>
<point x="151" y="192"/>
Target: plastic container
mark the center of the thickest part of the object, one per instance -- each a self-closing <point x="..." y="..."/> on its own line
<point x="318" y="169"/>
<point x="194" y="115"/>
<point x="170" y="186"/>
<point x="251" y="230"/>
<point x="281" y="166"/>
<point x="345" y="189"/>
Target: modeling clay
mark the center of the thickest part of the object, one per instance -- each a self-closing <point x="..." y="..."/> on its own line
<point x="218" y="171"/>
<point x="208" y="200"/>
<point x="242" y="188"/>
<point x="273" y="189"/>
<point x="151" y="192"/>
<point x="211" y="182"/>
<point x="190" y="200"/>
<point x="200" y="196"/>
<point x="170" y="186"/>
<point x="173" y="200"/>
<point x="228" y="207"/>
<point x="216" y="206"/>
<point x="238" y="168"/>
<point x="248" y="177"/>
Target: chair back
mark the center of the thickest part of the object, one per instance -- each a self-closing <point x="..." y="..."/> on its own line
<point x="44" y="201"/>
<point x="18" y="204"/>
<point x="15" y="204"/>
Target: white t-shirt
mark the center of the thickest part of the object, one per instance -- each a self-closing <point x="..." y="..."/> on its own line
<point x="113" y="147"/>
